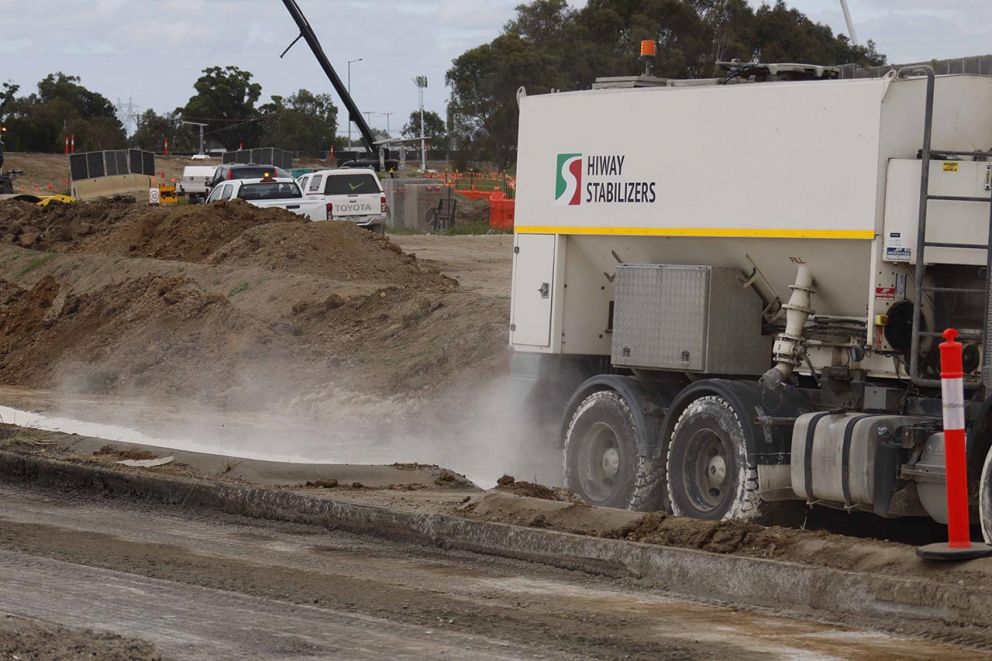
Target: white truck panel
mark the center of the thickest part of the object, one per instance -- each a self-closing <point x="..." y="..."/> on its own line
<point x="722" y="160"/>
<point x="770" y="175"/>
<point x="947" y="221"/>
<point x="534" y="282"/>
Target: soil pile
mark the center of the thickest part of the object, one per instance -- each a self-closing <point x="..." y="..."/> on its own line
<point x="119" y="226"/>
<point x="340" y="314"/>
<point x="165" y="336"/>
<point x="336" y="250"/>
<point x="713" y="536"/>
<point x="21" y="638"/>
<point x="532" y="490"/>
<point x="152" y="334"/>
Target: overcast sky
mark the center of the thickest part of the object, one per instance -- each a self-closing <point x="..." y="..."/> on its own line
<point x="153" y="50"/>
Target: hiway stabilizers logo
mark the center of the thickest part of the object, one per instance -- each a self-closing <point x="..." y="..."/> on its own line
<point x="568" y="186"/>
<point x="605" y="182"/>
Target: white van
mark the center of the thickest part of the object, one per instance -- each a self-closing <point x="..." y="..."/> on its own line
<point x="354" y="195"/>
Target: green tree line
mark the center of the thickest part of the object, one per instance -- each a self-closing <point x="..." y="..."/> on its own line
<point x="225" y="98"/>
<point x="549" y="45"/>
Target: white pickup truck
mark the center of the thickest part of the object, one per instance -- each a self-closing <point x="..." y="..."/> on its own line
<point x="271" y="192"/>
<point x="351" y="194"/>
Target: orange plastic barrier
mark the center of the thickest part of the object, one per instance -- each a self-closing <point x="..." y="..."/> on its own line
<point x="501" y="211"/>
<point x="475" y="194"/>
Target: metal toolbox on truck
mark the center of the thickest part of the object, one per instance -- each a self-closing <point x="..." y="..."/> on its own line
<point x="687" y="318"/>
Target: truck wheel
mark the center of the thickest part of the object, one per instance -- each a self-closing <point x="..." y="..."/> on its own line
<point x="985" y="499"/>
<point x="709" y="475"/>
<point x="601" y="460"/>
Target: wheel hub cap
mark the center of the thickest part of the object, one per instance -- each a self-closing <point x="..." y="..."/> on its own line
<point x="611" y="462"/>
<point x="716" y="472"/>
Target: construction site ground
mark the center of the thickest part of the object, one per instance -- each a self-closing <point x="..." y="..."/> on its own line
<point x="375" y="368"/>
<point x="132" y="578"/>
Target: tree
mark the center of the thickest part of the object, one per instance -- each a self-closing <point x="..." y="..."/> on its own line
<point x="781" y="34"/>
<point x="153" y="129"/>
<point x="435" y="129"/>
<point x="60" y="107"/>
<point x="484" y="83"/>
<point x="302" y="122"/>
<point x="225" y="99"/>
<point x="550" y="46"/>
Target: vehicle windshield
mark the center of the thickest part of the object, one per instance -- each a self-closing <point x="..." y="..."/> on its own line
<point x="350" y="184"/>
<point x="276" y="190"/>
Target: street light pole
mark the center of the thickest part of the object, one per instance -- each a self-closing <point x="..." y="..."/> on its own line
<point x="421" y="83"/>
<point x="349" y="94"/>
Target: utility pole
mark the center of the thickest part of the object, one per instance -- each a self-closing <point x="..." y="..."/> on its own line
<point x="350" y="62"/>
<point x="201" y="125"/>
<point x="388" y="114"/>
<point x="421" y="83"/>
<point x="850" y="23"/>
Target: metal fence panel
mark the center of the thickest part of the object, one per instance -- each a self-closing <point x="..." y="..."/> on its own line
<point x="110" y="163"/>
<point x="77" y="167"/>
<point x="94" y="164"/>
<point x="977" y="64"/>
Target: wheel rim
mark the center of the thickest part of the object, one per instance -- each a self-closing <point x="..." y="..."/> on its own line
<point x="709" y="481"/>
<point x="600" y="462"/>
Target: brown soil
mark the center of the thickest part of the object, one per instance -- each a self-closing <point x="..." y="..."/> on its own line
<point x="117" y="453"/>
<point x="510" y="484"/>
<point x="120" y="226"/>
<point x="714" y="536"/>
<point x="21" y="638"/>
<point x="339" y="251"/>
<point x="377" y="319"/>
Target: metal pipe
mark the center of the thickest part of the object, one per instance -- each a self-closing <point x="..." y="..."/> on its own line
<point x="790" y="349"/>
<point x="921" y="232"/>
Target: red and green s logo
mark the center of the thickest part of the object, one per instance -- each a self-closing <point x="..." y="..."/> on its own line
<point x="568" y="180"/>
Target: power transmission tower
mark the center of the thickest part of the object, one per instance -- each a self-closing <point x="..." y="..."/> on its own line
<point x="127" y="113"/>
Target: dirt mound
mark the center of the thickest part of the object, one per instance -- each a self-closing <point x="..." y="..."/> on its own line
<point x="531" y="490"/>
<point x="118" y="226"/>
<point x="188" y="233"/>
<point x="336" y="250"/>
<point x="21" y="638"/>
<point x="156" y="332"/>
<point x="165" y="336"/>
<point x="60" y="226"/>
<point x="714" y="536"/>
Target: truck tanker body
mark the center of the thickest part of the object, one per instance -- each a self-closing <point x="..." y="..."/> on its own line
<point x="730" y="298"/>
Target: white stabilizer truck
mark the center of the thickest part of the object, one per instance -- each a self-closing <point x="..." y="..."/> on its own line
<point x="730" y="295"/>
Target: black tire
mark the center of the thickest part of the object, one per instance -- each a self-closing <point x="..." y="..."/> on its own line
<point x="710" y="475"/>
<point x="985" y="499"/>
<point x="601" y="461"/>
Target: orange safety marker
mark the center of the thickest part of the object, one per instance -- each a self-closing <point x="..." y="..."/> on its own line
<point x="959" y="545"/>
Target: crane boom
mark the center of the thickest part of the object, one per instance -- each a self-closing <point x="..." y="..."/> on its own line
<point x="354" y="114"/>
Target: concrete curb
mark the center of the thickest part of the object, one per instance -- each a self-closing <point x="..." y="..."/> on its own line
<point x="806" y="589"/>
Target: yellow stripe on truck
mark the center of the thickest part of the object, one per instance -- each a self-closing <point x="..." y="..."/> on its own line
<point x="700" y="231"/>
